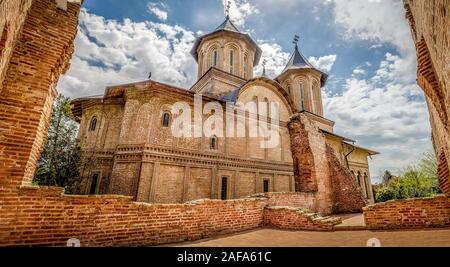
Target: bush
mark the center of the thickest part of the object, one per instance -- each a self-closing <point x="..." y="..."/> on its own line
<point x="420" y="180"/>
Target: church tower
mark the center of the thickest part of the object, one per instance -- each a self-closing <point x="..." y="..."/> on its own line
<point x="226" y="58"/>
<point x="303" y="82"/>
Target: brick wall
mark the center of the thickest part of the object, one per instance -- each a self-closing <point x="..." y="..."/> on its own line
<point x="430" y="26"/>
<point x="47" y="217"/>
<point x="291" y="218"/>
<point x="411" y="213"/>
<point x="299" y="200"/>
<point x="317" y="170"/>
<point x="37" y="51"/>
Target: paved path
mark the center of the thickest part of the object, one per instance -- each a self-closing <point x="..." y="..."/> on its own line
<point x="279" y="238"/>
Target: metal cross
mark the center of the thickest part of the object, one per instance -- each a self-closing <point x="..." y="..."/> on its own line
<point x="296" y="39"/>
<point x="227" y="10"/>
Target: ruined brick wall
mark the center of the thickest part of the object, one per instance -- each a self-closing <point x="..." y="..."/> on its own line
<point x="38" y="48"/>
<point x="291" y="199"/>
<point x="409" y="213"/>
<point x="290" y="218"/>
<point x="336" y="191"/>
<point x="347" y="194"/>
<point x="430" y="27"/>
<point x="45" y="216"/>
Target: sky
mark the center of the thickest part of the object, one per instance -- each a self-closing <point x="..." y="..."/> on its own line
<point x="364" y="45"/>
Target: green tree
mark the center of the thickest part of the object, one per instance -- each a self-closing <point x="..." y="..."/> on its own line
<point x="60" y="159"/>
<point x="417" y="180"/>
<point x="387" y="176"/>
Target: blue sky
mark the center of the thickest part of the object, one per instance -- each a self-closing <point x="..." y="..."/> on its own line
<point x="365" y="46"/>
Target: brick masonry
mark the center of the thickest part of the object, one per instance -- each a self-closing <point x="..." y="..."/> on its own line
<point x="291" y="218"/>
<point x="409" y="214"/>
<point x="318" y="171"/>
<point x="37" y="49"/>
<point x="430" y="26"/>
<point x="45" y="216"/>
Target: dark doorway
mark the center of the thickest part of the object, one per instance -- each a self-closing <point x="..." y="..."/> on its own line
<point x="94" y="182"/>
<point x="224" y="188"/>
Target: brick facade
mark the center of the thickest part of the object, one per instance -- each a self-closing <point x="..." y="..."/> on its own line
<point x="409" y="214"/>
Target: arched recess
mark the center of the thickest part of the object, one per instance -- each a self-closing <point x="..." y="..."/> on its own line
<point x="301" y="92"/>
<point x="214" y="56"/>
<point x="233" y="58"/>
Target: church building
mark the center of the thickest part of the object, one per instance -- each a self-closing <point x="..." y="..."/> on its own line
<point x="129" y="149"/>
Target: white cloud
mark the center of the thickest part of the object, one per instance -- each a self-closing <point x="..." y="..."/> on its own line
<point x="324" y="63"/>
<point x="158" y="10"/>
<point x="109" y="52"/>
<point x="239" y="10"/>
<point x="275" y="56"/>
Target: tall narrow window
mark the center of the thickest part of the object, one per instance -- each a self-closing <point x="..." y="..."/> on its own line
<point x="302" y="98"/>
<point x="231" y="61"/>
<point x="359" y="178"/>
<point x="313" y="101"/>
<point x="93" y="124"/>
<point x="213" y="144"/>
<point x="94" y="181"/>
<point x="224" y="188"/>
<point x="215" y="58"/>
<point x="166" y="119"/>
<point x="289" y="89"/>
<point x="266" y="185"/>
<point x="245" y="66"/>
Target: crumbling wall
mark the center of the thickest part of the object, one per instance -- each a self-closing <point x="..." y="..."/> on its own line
<point x="430" y="27"/>
<point x="335" y="189"/>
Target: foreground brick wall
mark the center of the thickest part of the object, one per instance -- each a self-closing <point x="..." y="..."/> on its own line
<point x="409" y="214"/>
<point x="430" y="27"/>
<point x="38" y="48"/>
<point x="335" y="189"/>
<point x="46" y="217"/>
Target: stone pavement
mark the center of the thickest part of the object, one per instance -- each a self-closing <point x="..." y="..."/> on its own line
<point x="279" y="238"/>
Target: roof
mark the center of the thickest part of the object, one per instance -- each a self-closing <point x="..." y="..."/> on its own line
<point x="298" y="61"/>
<point x="227" y="26"/>
<point x="338" y="136"/>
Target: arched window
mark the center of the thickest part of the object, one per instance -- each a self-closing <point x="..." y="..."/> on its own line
<point x="93" y="124"/>
<point x="213" y="144"/>
<point x="359" y="178"/>
<point x="302" y="97"/>
<point x="166" y="119"/>
<point x="288" y="89"/>
<point x="215" y="57"/>
<point x="231" y="61"/>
